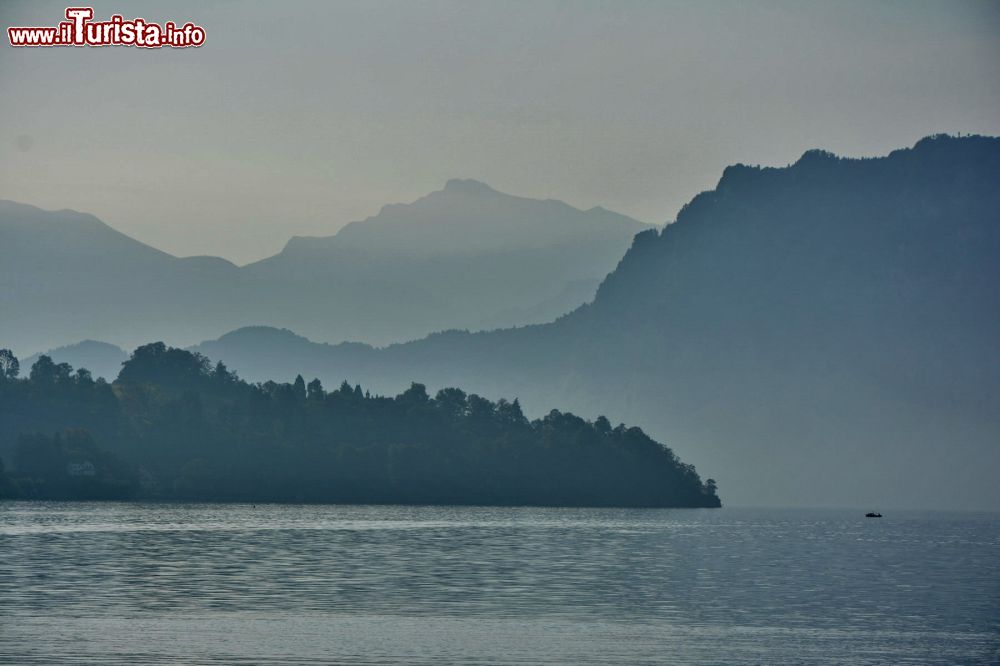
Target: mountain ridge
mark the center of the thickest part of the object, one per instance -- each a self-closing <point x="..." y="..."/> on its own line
<point x="75" y="277"/>
<point x="470" y="198"/>
<point x="812" y="316"/>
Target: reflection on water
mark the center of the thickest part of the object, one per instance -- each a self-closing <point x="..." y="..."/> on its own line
<point x="175" y="583"/>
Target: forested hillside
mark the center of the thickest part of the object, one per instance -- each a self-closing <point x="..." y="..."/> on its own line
<point x="173" y="427"/>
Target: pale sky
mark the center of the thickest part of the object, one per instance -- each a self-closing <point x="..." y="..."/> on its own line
<point x="297" y="118"/>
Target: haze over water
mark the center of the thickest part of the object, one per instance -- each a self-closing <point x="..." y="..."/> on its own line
<point x="183" y="583"/>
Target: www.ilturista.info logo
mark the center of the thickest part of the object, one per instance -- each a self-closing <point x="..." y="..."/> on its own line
<point x="79" y="30"/>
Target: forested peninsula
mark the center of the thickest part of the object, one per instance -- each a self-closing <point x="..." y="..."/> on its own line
<point x="173" y="427"/>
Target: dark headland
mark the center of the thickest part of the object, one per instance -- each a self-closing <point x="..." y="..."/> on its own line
<point x="172" y="427"/>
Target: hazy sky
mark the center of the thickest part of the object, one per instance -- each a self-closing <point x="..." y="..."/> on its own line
<point x="296" y="118"/>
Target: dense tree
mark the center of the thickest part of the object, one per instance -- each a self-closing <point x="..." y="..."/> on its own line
<point x="191" y="431"/>
<point x="314" y="391"/>
<point x="45" y="371"/>
<point x="10" y="367"/>
<point x="69" y="465"/>
<point x="299" y="388"/>
<point x="711" y="486"/>
<point x="158" y="364"/>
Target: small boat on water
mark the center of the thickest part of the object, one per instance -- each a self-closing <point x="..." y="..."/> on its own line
<point x="873" y="514"/>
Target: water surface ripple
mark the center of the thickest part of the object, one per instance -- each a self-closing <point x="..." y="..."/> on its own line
<point x="105" y="583"/>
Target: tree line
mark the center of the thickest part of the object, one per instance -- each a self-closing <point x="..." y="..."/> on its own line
<point x="173" y="426"/>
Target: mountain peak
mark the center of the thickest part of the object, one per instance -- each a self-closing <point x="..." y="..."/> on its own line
<point x="269" y="333"/>
<point x="467" y="185"/>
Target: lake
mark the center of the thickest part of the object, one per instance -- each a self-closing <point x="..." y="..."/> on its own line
<point x="109" y="583"/>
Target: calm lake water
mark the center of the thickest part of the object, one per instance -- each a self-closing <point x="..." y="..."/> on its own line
<point x="188" y="584"/>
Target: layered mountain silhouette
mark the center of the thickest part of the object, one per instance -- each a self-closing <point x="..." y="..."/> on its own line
<point x="463" y="257"/>
<point x="102" y="359"/>
<point x="466" y="256"/>
<point x="821" y="334"/>
<point x="66" y="276"/>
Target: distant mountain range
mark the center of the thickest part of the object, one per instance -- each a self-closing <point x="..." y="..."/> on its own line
<point x="463" y="257"/>
<point x="822" y="334"/>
